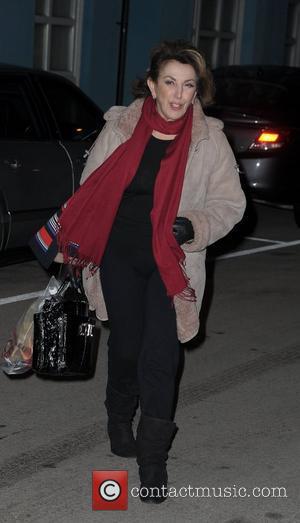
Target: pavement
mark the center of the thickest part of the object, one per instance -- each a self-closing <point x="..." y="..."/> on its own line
<point x="235" y="458"/>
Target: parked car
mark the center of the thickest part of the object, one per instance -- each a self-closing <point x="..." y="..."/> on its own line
<point x="46" y="125"/>
<point x="260" y="108"/>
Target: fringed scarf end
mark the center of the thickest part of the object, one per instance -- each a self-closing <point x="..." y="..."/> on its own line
<point x="71" y="256"/>
<point x="188" y="293"/>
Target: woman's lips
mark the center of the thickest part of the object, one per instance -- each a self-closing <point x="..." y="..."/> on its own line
<point x="175" y="107"/>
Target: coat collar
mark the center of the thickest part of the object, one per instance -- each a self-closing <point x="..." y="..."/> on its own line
<point x="126" y="119"/>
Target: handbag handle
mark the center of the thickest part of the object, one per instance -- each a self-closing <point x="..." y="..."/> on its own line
<point x="70" y="276"/>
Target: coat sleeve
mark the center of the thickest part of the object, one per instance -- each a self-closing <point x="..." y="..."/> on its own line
<point x="225" y="201"/>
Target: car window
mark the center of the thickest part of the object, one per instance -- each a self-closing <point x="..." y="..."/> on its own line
<point x="76" y="117"/>
<point x="237" y="92"/>
<point x="16" y="119"/>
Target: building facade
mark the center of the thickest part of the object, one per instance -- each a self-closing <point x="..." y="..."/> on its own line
<point x="81" y="38"/>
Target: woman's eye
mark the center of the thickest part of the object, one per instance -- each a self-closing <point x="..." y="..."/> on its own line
<point x="190" y="85"/>
<point x="169" y="82"/>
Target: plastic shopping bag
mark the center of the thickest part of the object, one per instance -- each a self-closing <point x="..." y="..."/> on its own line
<point x="17" y="353"/>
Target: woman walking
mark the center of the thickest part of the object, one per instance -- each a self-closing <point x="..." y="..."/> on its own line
<point x="160" y="185"/>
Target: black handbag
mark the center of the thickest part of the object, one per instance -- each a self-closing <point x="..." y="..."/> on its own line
<point x="66" y="334"/>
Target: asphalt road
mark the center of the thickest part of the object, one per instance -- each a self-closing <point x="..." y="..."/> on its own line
<point x="235" y="458"/>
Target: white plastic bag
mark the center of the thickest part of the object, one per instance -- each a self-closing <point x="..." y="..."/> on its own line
<point x="17" y="353"/>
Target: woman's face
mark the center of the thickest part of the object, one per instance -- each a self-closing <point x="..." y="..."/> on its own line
<point x="174" y="90"/>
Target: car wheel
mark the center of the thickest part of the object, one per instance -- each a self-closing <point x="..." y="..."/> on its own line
<point x="297" y="213"/>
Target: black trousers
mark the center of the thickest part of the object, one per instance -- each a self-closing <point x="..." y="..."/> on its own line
<point x="143" y="351"/>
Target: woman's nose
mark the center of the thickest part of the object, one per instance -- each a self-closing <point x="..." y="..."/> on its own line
<point x="178" y="92"/>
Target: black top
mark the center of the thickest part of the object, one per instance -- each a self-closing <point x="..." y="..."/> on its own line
<point x="137" y="200"/>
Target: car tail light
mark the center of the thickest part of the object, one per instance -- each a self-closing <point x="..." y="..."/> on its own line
<point x="268" y="140"/>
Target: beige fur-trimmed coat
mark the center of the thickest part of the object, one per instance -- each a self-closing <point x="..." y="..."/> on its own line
<point x="211" y="198"/>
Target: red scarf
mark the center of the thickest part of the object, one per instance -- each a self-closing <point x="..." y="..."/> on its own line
<point x="88" y="216"/>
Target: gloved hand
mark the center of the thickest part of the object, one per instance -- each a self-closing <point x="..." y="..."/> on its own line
<point x="183" y="230"/>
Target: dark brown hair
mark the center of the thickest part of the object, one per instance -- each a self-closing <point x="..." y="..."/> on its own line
<point x="185" y="53"/>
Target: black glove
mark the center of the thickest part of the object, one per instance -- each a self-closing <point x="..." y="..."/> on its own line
<point x="183" y="230"/>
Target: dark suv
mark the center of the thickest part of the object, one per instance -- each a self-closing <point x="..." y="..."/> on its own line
<point x="46" y="125"/>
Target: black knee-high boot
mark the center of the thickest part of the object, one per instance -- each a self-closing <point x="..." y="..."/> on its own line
<point x="154" y="437"/>
<point x="121" y="409"/>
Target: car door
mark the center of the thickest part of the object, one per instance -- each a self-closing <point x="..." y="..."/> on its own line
<point x="35" y="172"/>
<point x="77" y="119"/>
